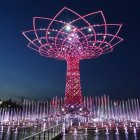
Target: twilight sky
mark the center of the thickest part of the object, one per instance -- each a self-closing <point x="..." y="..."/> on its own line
<point x="24" y="73"/>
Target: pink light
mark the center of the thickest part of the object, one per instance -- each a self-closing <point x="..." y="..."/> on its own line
<point x="73" y="42"/>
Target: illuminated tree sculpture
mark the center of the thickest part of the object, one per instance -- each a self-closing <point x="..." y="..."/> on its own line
<point x="72" y="37"/>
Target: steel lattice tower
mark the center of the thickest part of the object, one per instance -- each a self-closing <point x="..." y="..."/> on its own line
<point x="72" y="37"/>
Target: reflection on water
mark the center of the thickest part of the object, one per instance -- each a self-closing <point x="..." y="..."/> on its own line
<point x="102" y="136"/>
<point x="17" y="133"/>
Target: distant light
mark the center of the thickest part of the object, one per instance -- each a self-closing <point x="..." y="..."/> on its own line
<point x="68" y="27"/>
<point x="89" y="29"/>
<point x="80" y="109"/>
<point x="95" y="120"/>
<point x="72" y="106"/>
<point x="63" y="109"/>
<point x="70" y="39"/>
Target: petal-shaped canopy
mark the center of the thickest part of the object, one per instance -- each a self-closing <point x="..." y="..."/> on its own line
<point x="68" y="34"/>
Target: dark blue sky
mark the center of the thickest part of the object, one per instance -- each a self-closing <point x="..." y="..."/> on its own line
<point x="24" y="73"/>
